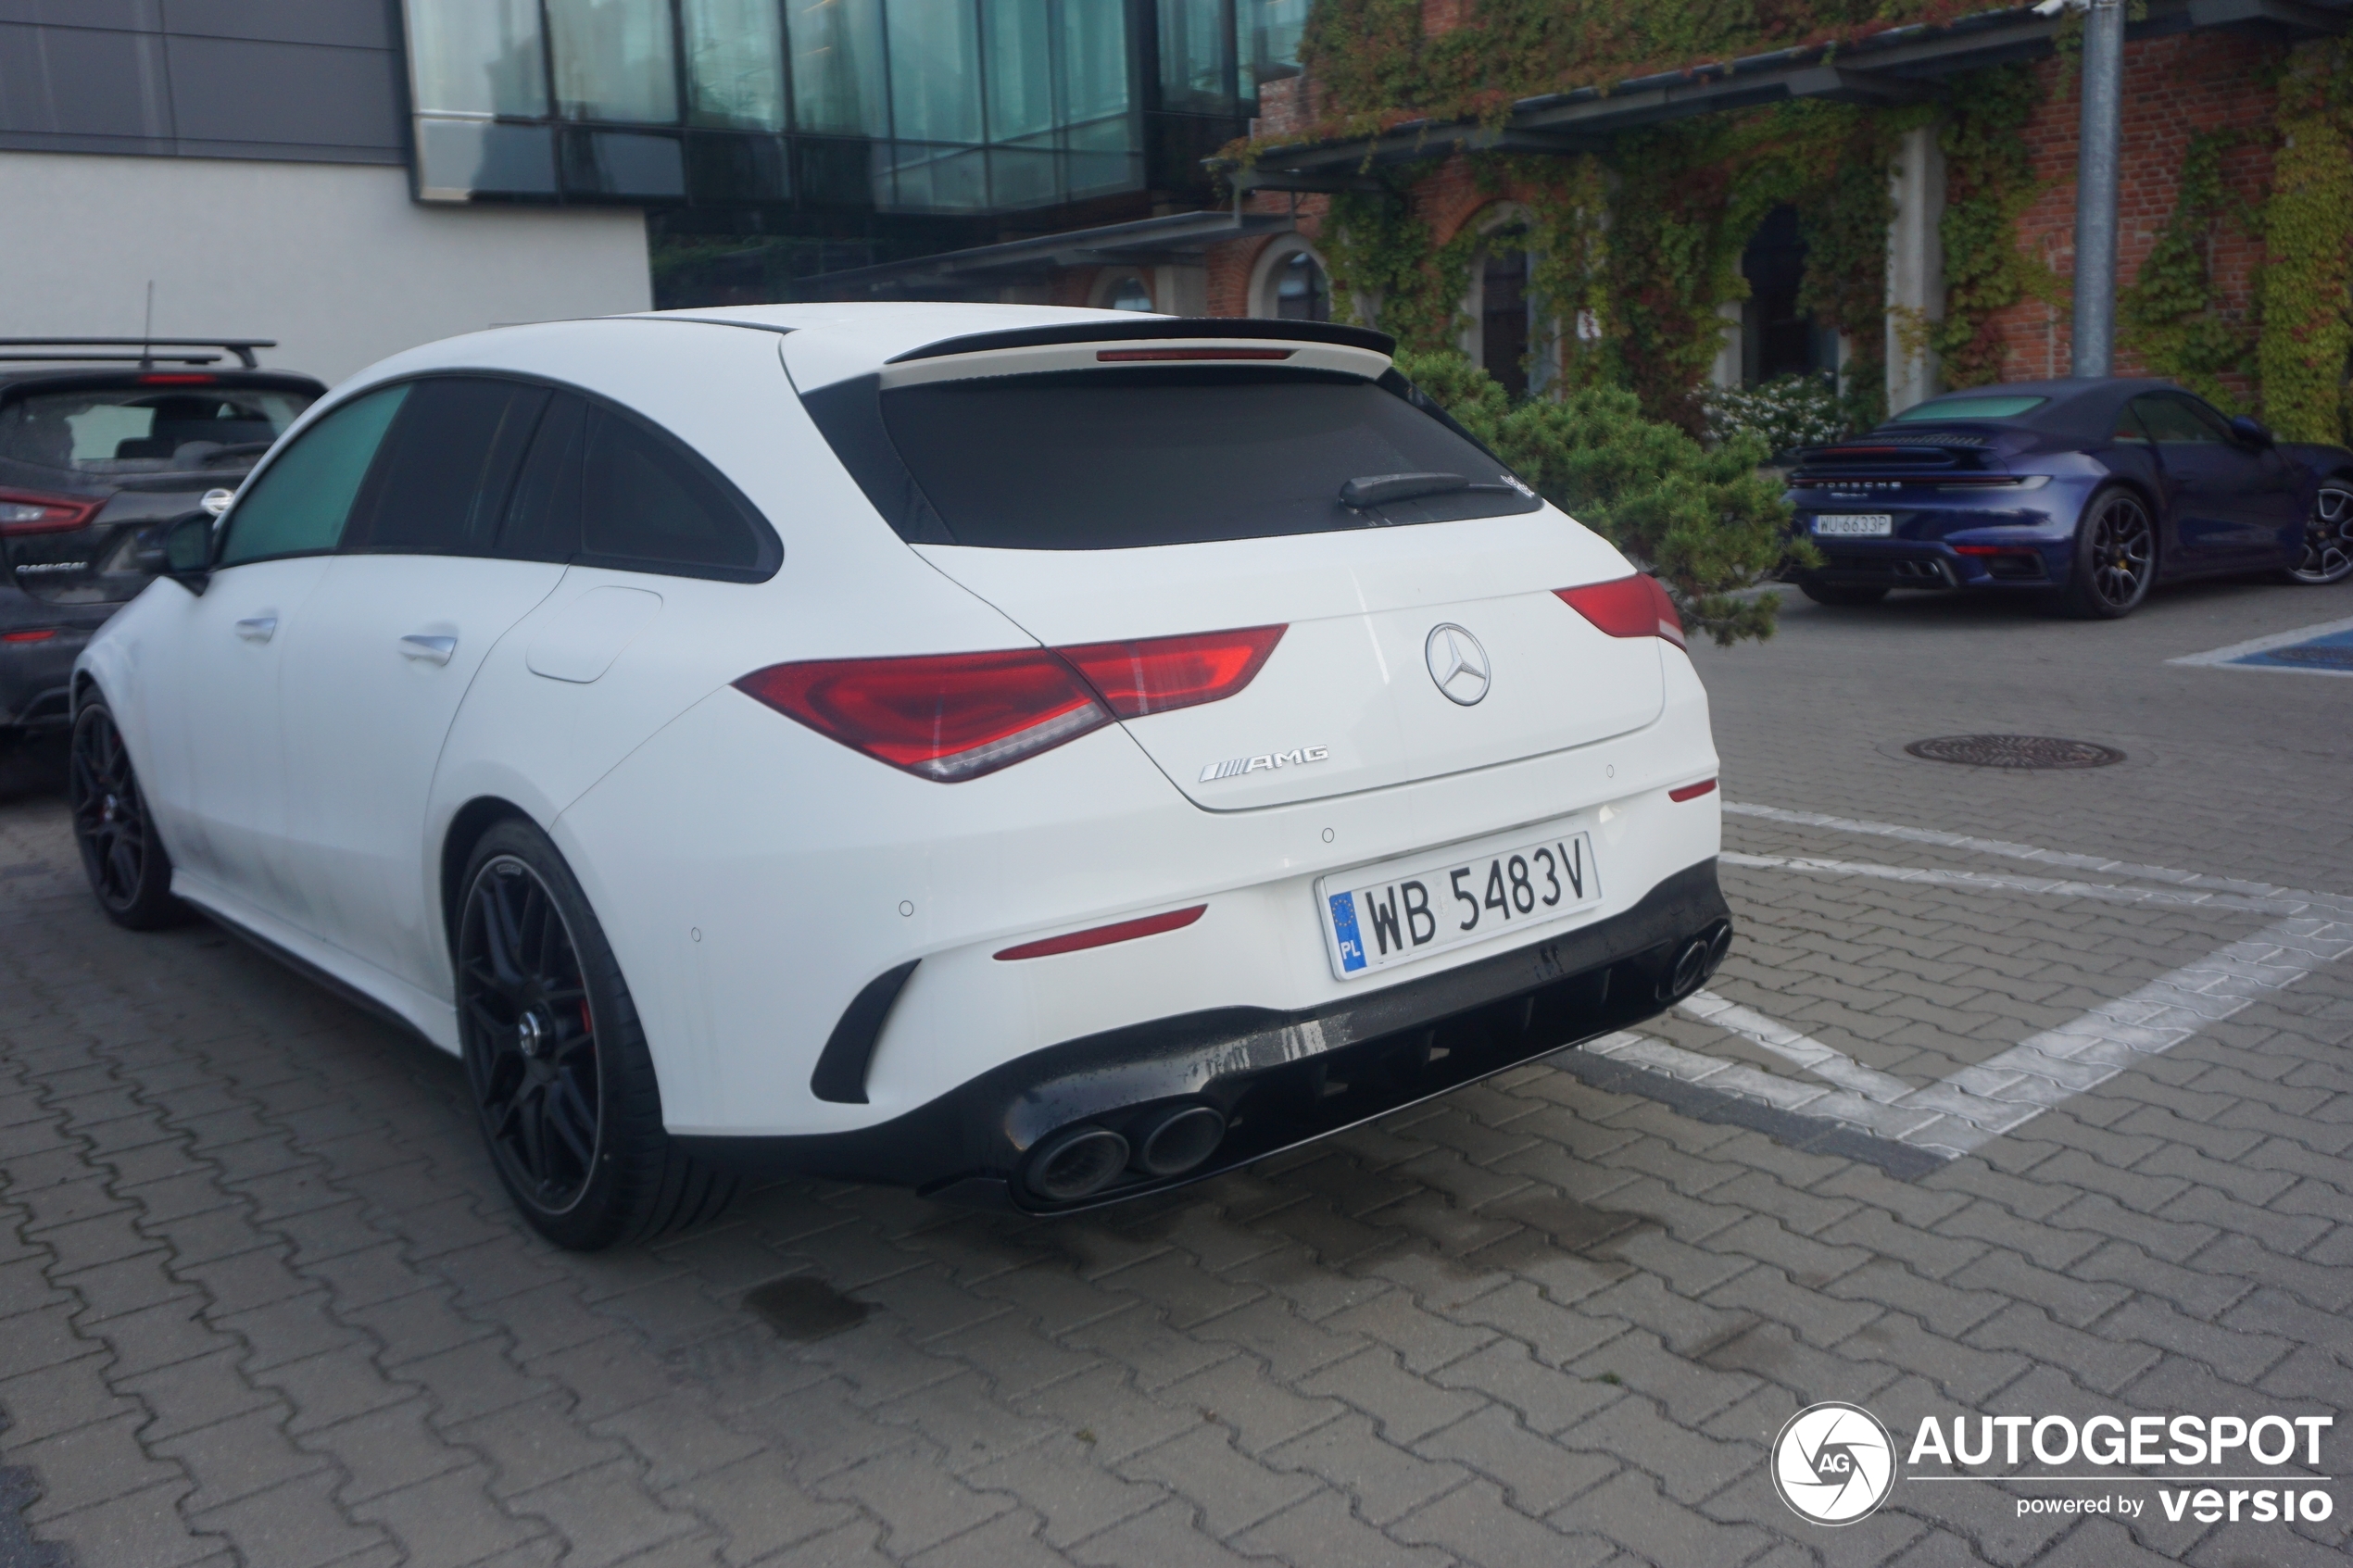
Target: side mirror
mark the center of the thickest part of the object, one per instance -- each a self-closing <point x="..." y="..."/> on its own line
<point x="2252" y="431"/>
<point x="184" y="553"/>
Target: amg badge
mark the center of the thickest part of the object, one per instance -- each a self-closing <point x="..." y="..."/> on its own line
<point x="1297" y="756"/>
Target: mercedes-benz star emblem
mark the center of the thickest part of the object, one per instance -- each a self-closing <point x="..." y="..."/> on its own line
<point x="1456" y="662"/>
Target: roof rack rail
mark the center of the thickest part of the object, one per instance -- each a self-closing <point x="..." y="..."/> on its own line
<point x="242" y="347"/>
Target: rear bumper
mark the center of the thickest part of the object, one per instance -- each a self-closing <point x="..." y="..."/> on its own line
<point x="36" y="678"/>
<point x="1278" y="1078"/>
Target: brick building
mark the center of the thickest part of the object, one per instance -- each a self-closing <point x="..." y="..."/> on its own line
<point x="2192" y="69"/>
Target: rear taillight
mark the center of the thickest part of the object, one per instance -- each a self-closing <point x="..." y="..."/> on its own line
<point x="953" y="717"/>
<point x="38" y="635"/>
<point x="21" y="511"/>
<point x="1631" y="606"/>
<point x="1162" y="673"/>
<point x="949" y="717"/>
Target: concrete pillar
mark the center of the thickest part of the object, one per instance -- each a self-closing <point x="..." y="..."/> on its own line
<point x="1726" y="372"/>
<point x="1179" y="289"/>
<point x="1915" y="268"/>
<point x="2096" y="180"/>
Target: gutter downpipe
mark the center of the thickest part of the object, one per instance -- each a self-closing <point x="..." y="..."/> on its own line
<point x="2095" y="185"/>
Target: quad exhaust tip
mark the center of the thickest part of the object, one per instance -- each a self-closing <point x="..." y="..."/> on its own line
<point x="1182" y="1140"/>
<point x="1077" y="1163"/>
<point x="1081" y="1162"/>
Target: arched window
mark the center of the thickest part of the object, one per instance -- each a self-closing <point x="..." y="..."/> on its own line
<point x="1505" y="328"/>
<point x="1301" y="291"/>
<point x="1127" y="293"/>
<point x="1777" y="337"/>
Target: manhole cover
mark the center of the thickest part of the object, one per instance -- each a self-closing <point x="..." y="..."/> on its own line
<point x="2324" y="656"/>
<point x="2015" y="752"/>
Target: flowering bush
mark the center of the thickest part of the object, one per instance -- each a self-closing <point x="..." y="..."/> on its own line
<point x="1786" y="412"/>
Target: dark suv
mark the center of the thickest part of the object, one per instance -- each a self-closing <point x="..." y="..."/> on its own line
<point x="108" y="441"/>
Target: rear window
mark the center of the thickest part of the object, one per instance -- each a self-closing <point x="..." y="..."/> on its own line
<point x="1095" y="460"/>
<point x="146" y="429"/>
<point x="1969" y="409"/>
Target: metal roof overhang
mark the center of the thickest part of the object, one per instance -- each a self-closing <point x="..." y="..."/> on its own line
<point x="1903" y="65"/>
<point x="1146" y="242"/>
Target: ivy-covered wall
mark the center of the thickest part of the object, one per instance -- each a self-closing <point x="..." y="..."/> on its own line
<point x="2237" y="216"/>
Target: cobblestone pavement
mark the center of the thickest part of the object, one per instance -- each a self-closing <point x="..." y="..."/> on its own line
<point x="260" y="1300"/>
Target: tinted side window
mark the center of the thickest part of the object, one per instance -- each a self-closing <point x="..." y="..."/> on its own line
<point x="299" y="504"/>
<point x="440" y="484"/>
<point x="646" y="502"/>
<point x="2171" y="420"/>
<point x="543" y="519"/>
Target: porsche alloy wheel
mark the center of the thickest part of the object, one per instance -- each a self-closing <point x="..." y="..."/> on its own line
<point x="2115" y="557"/>
<point x="2328" y="538"/>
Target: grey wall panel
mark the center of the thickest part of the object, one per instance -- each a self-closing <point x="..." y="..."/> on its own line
<point x="365" y="24"/>
<point x="304" y="80"/>
<point x="236" y="90"/>
<point x="80" y="82"/>
<point x="143" y="16"/>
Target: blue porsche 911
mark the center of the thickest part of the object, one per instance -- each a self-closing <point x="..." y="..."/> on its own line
<point x="2086" y="491"/>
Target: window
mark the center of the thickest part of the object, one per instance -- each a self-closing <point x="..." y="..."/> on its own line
<point x="477" y="57"/>
<point x="2128" y="427"/>
<point x="1129" y="293"/>
<point x="837" y="67"/>
<point x="1196" y="56"/>
<point x="1969" y="409"/>
<point x="735" y="60"/>
<point x="139" y="430"/>
<point x="1114" y="459"/>
<point x="296" y="506"/>
<point x="614" y="60"/>
<point x="605" y="488"/>
<point x="1503" y="319"/>
<point x="2177" y="420"/>
<point x="1301" y="291"/>
<point x="440" y="485"/>
<point x="935" y="70"/>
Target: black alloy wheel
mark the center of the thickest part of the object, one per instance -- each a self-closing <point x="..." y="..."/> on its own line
<point x="2328" y="536"/>
<point x="2115" y="557"/>
<point x="562" y="1080"/>
<point x="128" y="866"/>
<point x="535" y="1068"/>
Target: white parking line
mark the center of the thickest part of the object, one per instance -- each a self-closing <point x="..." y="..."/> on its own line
<point x="2265" y="645"/>
<point x="1970" y="1107"/>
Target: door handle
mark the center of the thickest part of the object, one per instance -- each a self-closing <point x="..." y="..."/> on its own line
<point x="258" y="628"/>
<point x="433" y="651"/>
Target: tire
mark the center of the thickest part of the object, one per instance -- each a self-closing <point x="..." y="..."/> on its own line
<point x="2328" y="538"/>
<point x="1843" y="595"/>
<point x="562" y="1082"/>
<point x="121" y="853"/>
<point x="2115" y="558"/>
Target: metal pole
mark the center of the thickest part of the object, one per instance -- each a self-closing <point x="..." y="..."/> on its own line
<point x="2096" y="188"/>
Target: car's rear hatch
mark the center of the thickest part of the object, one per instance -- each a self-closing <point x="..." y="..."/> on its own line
<point x="1096" y="499"/>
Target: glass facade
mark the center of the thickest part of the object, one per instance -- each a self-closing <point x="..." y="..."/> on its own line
<point x="919" y="107"/>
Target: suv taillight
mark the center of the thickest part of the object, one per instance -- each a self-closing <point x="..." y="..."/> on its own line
<point x="1629" y="606"/>
<point x="23" y="511"/>
<point x="957" y="716"/>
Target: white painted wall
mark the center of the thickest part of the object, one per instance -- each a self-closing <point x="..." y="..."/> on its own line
<point x="333" y="260"/>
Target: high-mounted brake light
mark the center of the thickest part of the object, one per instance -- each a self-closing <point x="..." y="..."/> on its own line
<point x="953" y="717"/>
<point x="1161" y="673"/>
<point x="1133" y="356"/>
<point x="22" y="511"/>
<point x="1629" y="606"/>
<point x="176" y="379"/>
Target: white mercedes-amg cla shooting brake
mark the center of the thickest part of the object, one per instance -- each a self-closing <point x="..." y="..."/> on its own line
<point x="1034" y="756"/>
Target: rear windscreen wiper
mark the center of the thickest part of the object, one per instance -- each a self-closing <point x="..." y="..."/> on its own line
<point x="1378" y="489"/>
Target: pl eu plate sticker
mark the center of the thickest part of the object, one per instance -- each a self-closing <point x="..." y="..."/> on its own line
<point x="1352" y="946"/>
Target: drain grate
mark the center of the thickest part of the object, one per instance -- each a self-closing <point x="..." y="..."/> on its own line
<point x="2324" y="656"/>
<point x="2015" y="752"/>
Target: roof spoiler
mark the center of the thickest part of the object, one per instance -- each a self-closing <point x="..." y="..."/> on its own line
<point x="1157" y="327"/>
<point x="242" y="347"/>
